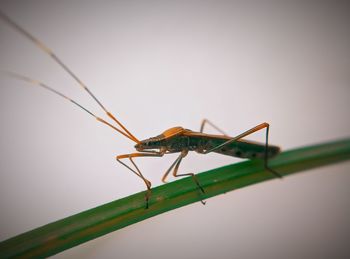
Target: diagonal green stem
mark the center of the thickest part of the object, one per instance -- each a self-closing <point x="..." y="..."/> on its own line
<point x="66" y="233"/>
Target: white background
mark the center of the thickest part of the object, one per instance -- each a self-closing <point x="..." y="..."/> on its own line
<point x="159" y="64"/>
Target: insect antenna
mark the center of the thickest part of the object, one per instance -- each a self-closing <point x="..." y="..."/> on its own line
<point x="46" y="87"/>
<point x="49" y="52"/>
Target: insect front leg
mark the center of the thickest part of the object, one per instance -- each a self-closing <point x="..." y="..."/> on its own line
<point x="246" y="133"/>
<point x="137" y="171"/>
<point x="176" y="166"/>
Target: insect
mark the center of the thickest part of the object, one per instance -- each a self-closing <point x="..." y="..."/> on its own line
<point x="174" y="140"/>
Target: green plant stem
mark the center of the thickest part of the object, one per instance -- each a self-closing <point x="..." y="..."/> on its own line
<point x="71" y="231"/>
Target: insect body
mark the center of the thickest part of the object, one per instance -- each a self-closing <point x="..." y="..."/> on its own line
<point x="180" y="140"/>
<point x="173" y="140"/>
<point x="201" y="142"/>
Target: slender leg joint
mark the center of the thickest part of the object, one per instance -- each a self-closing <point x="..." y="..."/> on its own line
<point x="137" y="171"/>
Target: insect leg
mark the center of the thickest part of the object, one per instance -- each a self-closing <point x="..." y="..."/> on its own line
<point x="170" y="168"/>
<point x="205" y="121"/>
<point x="137" y="171"/>
<point x="176" y="166"/>
<point x="266" y="157"/>
<point x="246" y="133"/>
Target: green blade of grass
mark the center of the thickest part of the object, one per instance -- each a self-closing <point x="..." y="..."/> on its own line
<point x="74" y="230"/>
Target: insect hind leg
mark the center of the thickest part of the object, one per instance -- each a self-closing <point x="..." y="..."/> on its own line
<point x="266" y="158"/>
<point x="246" y="133"/>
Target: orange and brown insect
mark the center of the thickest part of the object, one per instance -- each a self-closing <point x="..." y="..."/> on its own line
<point x="173" y="140"/>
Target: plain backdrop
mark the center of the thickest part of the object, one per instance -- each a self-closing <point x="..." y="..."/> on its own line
<point x="159" y="64"/>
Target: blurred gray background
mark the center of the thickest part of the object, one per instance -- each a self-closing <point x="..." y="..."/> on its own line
<point x="159" y="64"/>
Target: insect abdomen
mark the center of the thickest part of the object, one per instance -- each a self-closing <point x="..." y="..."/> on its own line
<point x="241" y="149"/>
<point x="255" y="152"/>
